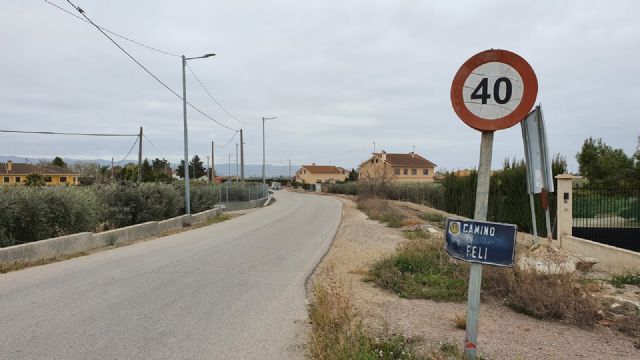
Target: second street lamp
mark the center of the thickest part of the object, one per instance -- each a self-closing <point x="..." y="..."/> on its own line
<point x="187" y="191"/>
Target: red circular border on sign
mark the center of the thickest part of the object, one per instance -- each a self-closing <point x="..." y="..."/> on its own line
<point x="530" y="91"/>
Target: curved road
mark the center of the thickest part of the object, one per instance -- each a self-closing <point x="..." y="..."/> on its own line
<point x="233" y="290"/>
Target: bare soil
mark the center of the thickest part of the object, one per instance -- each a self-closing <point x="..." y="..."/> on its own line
<point x="503" y="333"/>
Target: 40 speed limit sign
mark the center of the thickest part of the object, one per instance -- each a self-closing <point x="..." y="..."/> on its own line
<point x="494" y="90"/>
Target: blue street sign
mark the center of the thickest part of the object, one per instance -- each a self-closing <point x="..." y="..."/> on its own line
<point x="481" y="241"/>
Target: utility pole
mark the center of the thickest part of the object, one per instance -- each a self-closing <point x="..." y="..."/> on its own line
<point x="213" y="163"/>
<point x="229" y="169"/>
<point x="241" y="156"/>
<point x="112" y="175"/>
<point x="140" y="156"/>
<point x="289" y="169"/>
<point x="208" y="170"/>
<point x="237" y="174"/>
<point x="187" y="191"/>
<point x="263" y="147"/>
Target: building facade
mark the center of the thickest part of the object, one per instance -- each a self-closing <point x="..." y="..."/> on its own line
<point x="409" y="167"/>
<point x="314" y="174"/>
<point x="16" y="174"/>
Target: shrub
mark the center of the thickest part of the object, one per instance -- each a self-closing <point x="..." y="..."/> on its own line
<point x="544" y="296"/>
<point x="33" y="213"/>
<point x="127" y="204"/>
<point x="203" y="197"/>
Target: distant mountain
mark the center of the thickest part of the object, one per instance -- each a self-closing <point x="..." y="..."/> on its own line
<point x="251" y="170"/>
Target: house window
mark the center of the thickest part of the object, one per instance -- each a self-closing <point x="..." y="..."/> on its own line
<point x="63" y="179"/>
<point x="17" y="179"/>
<point x="405" y="171"/>
<point x="376" y="161"/>
<point x="47" y="179"/>
<point x="396" y="171"/>
<point x="425" y="171"/>
<point x="414" y="171"/>
<point x="6" y="179"/>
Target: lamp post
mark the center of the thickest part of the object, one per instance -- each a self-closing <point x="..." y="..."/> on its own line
<point x="187" y="191"/>
<point x="263" y="158"/>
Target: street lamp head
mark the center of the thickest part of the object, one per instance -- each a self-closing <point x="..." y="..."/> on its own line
<point x="209" y="55"/>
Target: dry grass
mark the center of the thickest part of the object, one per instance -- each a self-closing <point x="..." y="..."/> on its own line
<point x="420" y="268"/>
<point x="338" y="334"/>
<point x="459" y="321"/>
<point x="544" y="296"/>
<point x="383" y="211"/>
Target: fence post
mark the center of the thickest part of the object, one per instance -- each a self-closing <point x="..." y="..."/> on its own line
<point x="564" y="201"/>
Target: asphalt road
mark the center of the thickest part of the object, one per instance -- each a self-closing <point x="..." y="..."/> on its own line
<point x="233" y="290"/>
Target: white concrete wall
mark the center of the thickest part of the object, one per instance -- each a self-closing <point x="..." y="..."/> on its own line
<point x="78" y="243"/>
<point x="610" y="258"/>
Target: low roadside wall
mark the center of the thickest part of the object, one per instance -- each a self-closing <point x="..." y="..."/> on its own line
<point x="610" y="258"/>
<point x="242" y="205"/>
<point x="81" y="242"/>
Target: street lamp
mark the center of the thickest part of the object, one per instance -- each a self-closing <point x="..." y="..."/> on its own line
<point x="187" y="191"/>
<point x="263" y="159"/>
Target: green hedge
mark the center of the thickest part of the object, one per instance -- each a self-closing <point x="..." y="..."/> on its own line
<point x="33" y="213"/>
<point x="38" y="212"/>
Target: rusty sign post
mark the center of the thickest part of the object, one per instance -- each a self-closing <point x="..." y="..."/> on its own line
<point x="492" y="90"/>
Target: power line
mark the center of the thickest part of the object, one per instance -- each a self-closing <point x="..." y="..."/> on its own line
<point x="228" y="142"/>
<point x="130" y="150"/>
<point x="213" y="98"/>
<point x="111" y="32"/>
<point x="82" y="12"/>
<point x="151" y="142"/>
<point x="62" y="133"/>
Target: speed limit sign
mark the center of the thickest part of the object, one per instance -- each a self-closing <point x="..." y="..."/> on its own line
<point x="494" y="90"/>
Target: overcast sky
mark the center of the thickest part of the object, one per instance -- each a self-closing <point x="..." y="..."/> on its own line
<point x="338" y="74"/>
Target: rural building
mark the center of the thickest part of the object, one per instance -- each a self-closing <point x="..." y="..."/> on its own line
<point x="397" y="167"/>
<point x="16" y="174"/>
<point x="313" y="174"/>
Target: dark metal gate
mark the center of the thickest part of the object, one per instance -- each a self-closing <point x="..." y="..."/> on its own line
<point x="608" y="216"/>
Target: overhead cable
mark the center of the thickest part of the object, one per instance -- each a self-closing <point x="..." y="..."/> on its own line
<point x="82" y="12"/>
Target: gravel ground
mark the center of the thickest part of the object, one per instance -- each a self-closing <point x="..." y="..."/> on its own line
<point x="503" y="334"/>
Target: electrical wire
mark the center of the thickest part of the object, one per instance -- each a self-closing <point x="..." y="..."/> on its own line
<point x="214" y="99"/>
<point x="228" y="142"/>
<point x="111" y="32"/>
<point x="62" y="133"/>
<point x="129" y="153"/>
<point x="151" y="142"/>
<point x="82" y="12"/>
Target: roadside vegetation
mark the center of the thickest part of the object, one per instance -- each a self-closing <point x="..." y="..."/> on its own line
<point x="338" y="333"/>
<point x="31" y="213"/>
<point x="421" y="268"/>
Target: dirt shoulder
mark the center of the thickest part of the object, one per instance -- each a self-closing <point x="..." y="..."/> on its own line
<point x="503" y="334"/>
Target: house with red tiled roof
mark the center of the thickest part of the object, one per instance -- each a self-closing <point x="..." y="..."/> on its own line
<point x="16" y="174"/>
<point x="314" y="174"/>
<point x="409" y="167"/>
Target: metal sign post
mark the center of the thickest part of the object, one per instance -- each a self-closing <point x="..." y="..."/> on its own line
<point x="539" y="175"/>
<point x="492" y="90"/>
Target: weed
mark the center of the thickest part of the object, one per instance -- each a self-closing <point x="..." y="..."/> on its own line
<point x="459" y="321"/>
<point x="218" y="219"/>
<point x="434" y="218"/>
<point x="383" y="211"/>
<point x="620" y="280"/>
<point x="421" y="268"/>
<point x="338" y="334"/>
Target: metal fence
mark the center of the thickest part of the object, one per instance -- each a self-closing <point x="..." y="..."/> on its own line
<point x="608" y="216"/>
<point x="237" y="191"/>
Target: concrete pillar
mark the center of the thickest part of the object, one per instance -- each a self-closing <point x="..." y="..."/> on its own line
<point x="564" y="200"/>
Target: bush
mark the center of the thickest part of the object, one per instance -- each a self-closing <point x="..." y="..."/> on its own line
<point x="127" y="204"/>
<point x="543" y="296"/>
<point x="203" y="197"/>
<point x="35" y="213"/>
